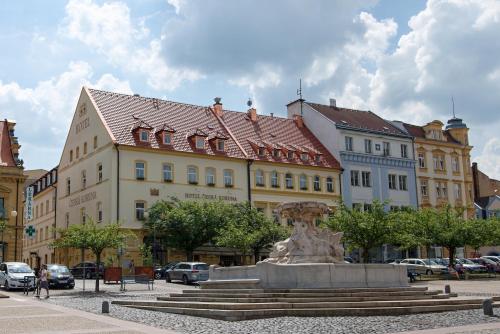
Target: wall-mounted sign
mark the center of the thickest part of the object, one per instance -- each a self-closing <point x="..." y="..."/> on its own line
<point x="82" y="125"/>
<point x="211" y="197"/>
<point x="28" y="207"/>
<point x="154" y="192"/>
<point x="82" y="199"/>
<point x="30" y="231"/>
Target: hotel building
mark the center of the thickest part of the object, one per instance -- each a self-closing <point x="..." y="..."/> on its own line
<point x="123" y="153"/>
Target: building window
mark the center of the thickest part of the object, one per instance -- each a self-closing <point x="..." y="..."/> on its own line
<point x="228" y="178"/>
<point x="367" y="207"/>
<point x="43" y="183"/>
<point x="288" y="181"/>
<point x="329" y="184"/>
<point x="303" y="182"/>
<point x="387" y="148"/>
<point x="276" y="153"/>
<point x="366" y="179"/>
<point x="192" y="174"/>
<point x="259" y="178"/>
<point x="441" y="190"/>
<point x="421" y="160"/>
<point x="261" y="151"/>
<point x="304" y="156"/>
<point x="140" y="170"/>
<point x="402" y="182"/>
<point x="274" y="179"/>
<point x="210" y="176"/>
<point x="368" y="146"/>
<point x="99" y="212"/>
<point x="41" y="209"/>
<point x="95" y="142"/>
<point x="167" y="138"/>
<point x="167" y="173"/>
<point x="70" y="155"/>
<point x="455" y="165"/>
<point x="424" y="188"/>
<point x="99" y="173"/>
<point x="140" y="208"/>
<point x="84" y="179"/>
<point x="458" y="191"/>
<point x="404" y="151"/>
<point x="392" y="182"/>
<point x="144" y="135"/>
<point x="200" y="143"/>
<point x="317" y="158"/>
<point x="68" y="186"/>
<point x="66" y="219"/>
<point x="357" y="206"/>
<point x="317" y="183"/>
<point x="77" y="152"/>
<point x="48" y="179"/>
<point x="348" y="143"/>
<point x="355" y="178"/>
<point x="289" y="155"/>
<point x="439" y="162"/>
<point x="83" y="215"/>
<point x="46" y="206"/>
<point x="85" y="148"/>
<point x="220" y="145"/>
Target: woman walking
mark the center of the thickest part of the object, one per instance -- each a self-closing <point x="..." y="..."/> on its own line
<point x="44" y="283"/>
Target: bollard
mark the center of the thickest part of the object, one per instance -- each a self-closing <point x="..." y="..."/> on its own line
<point x="488" y="307"/>
<point x="447" y="289"/>
<point x="105" y="307"/>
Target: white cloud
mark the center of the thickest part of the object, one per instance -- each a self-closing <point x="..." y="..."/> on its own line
<point x="111" y="31"/>
<point x="489" y="159"/>
<point x="43" y="113"/>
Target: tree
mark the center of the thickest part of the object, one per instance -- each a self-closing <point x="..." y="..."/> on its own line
<point x="452" y="231"/>
<point x="363" y="229"/>
<point x="188" y="224"/>
<point x="93" y="237"/>
<point x="249" y="231"/>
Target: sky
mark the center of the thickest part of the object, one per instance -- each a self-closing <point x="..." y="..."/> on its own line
<point x="403" y="60"/>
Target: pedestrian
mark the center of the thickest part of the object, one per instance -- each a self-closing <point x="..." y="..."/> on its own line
<point x="44" y="283"/>
<point x="131" y="267"/>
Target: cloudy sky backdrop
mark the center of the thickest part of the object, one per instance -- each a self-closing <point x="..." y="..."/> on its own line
<point x="401" y="59"/>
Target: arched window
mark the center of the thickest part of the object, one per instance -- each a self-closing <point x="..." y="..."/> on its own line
<point x="259" y="178"/>
<point x="303" y="182"/>
<point x="210" y="176"/>
<point x="192" y="174"/>
<point x="289" y="181"/>
<point x="275" y="181"/>
<point x="329" y="184"/>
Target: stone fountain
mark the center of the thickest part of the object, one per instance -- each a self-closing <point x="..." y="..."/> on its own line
<point x="312" y="257"/>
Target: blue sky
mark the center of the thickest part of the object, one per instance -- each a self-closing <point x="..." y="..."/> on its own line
<point x="401" y="59"/>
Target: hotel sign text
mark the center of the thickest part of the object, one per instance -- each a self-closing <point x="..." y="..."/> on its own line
<point x="211" y="197"/>
<point x="82" y="199"/>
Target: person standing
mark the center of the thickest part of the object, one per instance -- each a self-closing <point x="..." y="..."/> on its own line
<point x="44" y="283"/>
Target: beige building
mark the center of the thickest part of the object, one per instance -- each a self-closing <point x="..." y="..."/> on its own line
<point x="123" y="153"/>
<point x="36" y="245"/>
<point x="11" y="193"/>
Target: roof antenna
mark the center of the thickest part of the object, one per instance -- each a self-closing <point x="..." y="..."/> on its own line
<point x="299" y="93"/>
<point x="249" y="102"/>
<point x="453" y="106"/>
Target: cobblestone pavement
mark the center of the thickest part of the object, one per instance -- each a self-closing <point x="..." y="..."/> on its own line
<point x="375" y="324"/>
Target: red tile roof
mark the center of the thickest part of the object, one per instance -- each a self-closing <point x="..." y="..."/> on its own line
<point x="122" y="112"/>
<point x="6" y="155"/>
<point x="419" y="132"/>
<point x="357" y="119"/>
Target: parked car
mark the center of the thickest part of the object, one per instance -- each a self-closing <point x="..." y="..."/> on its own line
<point x="348" y="259"/>
<point x="187" y="272"/>
<point x="491" y="265"/>
<point x="394" y="261"/>
<point x="424" y="266"/>
<point x="90" y="269"/>
<point x="14" y="274"/>
<point x="161" y="270"/>
<point x="60" y="276"/>
<point x="441" y="261"/>
<point x="470" y="266"/>
<point x="492" y="258"/>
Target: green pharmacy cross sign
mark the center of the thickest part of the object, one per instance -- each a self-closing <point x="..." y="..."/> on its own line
<point x="30" y="231"/>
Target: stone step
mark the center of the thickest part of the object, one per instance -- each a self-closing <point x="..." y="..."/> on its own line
<point x="300" y="305"/>
<point x="237" y="315"/>
<point x="308" y="294"/>
<point x="298" y="300"/>
<point x="334" y="290"/>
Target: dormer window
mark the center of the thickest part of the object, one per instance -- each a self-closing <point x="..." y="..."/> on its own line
<point x="304" y="156"/>
<point x="289" y="155"/>
<point x="144" y="135"/>
<point x="200" y="143"/>
<point x="167" y="138"/>
<point x="317" y="158"/>
<point x="262" y="151"/>
<point x="220" y="144"/>
<point x="276" y="153"/>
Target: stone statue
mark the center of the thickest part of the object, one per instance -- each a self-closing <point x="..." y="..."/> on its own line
<point x="308" y="243"/>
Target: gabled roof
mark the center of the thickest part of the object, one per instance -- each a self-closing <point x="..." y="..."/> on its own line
<point x="121" y="113"/>
<point x="486" y="201"/>
<point x="419" y="132"/>
<point x="276" y="132"/>
<point x="6" y="155"/>
<point x="357" y="119"/>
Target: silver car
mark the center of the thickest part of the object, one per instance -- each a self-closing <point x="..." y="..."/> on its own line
<point x="424" y="266"/>
<point x="187" y="272"/>
<point x="14" y="274"/>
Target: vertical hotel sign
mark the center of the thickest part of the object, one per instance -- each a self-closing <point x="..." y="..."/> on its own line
<point x="28" y="209"/>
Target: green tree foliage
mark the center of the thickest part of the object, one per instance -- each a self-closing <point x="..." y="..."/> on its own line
<point x="94" y="237"/>
<point x="188" y="224"/>
<point x="249" y="231"/>
<point x="363" y="229"/>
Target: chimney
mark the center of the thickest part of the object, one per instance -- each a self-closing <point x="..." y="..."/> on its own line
<point x="298" y="120"/>
<point x="218" y="107"/>
<point x="252" y="113"/>
<point x="333" y="103"/>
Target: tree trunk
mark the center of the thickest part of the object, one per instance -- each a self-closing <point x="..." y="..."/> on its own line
<point x="366" y="255"/>
<point x="451" y="258"/>
<point x="98" y="264"/>
<point x="189" y="255"/>
<point x="255" y="255"/>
